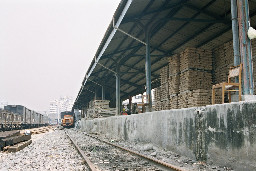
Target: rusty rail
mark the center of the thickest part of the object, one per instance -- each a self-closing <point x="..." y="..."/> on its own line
<point x="158" y="162"/>
<point x="91" y="166"/>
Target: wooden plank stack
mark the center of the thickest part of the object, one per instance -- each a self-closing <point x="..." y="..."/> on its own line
<point x="173" y="101"/>
<point x="223" y="60"/>
<point x="196" y="58"/>
<point x="195" y="77"/>
<point x="189" y="80"/>
<point x="100" y="108"/>
<point x="174" y="76"/>
<point x="193" y="98"/>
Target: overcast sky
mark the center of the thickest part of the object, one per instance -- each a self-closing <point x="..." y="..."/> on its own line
<point x="46" y="47"/>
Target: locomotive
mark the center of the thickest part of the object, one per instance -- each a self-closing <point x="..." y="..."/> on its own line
<point x="20" y="117"/>
<point x="67" y="119"/>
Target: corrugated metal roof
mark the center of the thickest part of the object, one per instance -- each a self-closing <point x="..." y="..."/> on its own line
<point x="176" y="24"/>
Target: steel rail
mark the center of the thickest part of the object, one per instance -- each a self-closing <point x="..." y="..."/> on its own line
<point x="91" y="166"/>
<point x="158" y="162"/>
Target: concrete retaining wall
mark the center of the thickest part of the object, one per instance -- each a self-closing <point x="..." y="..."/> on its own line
<point x="224" y="134"/>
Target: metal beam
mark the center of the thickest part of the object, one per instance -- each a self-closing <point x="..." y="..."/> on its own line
<point x="163" y="8"/>
<point x="185" y="24"/>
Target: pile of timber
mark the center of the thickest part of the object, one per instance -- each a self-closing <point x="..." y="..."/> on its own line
<point x="194" y="98"/>
<point x="13" y="141"/>
<point x="195" y="79"/>
<point x="223" y="60"/>
<point x="174" y="101"/>
<point x="174" y="76"/>
<point x="196" y="58"/>
<point x="100" y="108"/>
<point x="186" y="81"/>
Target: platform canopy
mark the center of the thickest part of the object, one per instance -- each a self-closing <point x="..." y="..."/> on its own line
<point x="173" y="26"/>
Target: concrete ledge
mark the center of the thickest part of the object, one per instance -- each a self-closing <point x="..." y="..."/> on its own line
<point x="223" y="133"/>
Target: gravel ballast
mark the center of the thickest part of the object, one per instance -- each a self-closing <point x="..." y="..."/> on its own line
<point x="48" y="151"/>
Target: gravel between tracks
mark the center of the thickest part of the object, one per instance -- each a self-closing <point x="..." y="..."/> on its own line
<point x="162" y="154"/>
<point x="48" y="151"/>
<point x="107" y="157"/>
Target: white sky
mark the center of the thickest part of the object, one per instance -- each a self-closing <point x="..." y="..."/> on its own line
<point x="46" y="47"/>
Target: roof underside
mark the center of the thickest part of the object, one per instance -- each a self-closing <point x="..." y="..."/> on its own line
<point x="174" y="25"/>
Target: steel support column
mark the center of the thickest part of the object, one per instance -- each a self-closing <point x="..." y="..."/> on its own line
<point x="249" y="49"/>
<point x="148" y="71"/>
<point x="245" y="50"/>
<point x="102" y="93"/>
<point x="117" y="91"/>
<point x="235" y="32"/>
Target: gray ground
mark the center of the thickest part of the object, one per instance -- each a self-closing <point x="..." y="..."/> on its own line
<point x="48" y="151"/>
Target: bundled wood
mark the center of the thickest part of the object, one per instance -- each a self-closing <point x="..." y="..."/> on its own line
<point x="195" y="79"/>
<point x="165" y="105"/>
<point x="100" y="108"/>
<point x="174" y="101"/>
<point x="165" y="91"/>
<point x="199" y="97"/>
<point x="174" y="83"/>
<point x="158" y="105"/>
<point x="157" y="94"/>
<point x="164" y="74"/>
<point x="223" y="60"/>
<point x="174" y="65"/>
<point x="196" y="58"/>
<point x="185" y="99"/>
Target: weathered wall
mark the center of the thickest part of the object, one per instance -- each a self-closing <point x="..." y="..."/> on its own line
<point x="223" y="134"/>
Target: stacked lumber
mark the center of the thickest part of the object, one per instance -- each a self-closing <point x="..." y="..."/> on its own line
<point x="196" y="58"/>
<point x="100" y="108"/>
<point x="195" y="79"/>
<point x="173" y="101"/>
<point x="157" y="94"/>
<point x="223" y="60"/>
<point x="164" y="74"/>
<point x="164" y="91"/>
<point x="174" y="83"/>
<point x="13" y="141"/>
<point x="185" y="99"/>
<point x="165" y="105"/>
<point x="174" y="77"/>
<point x="158" y="105"/>
<point x="193" y="98"/>
<point x="174" y="65"/>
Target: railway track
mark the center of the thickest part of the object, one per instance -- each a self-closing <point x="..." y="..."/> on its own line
<point x="143" y="162"/>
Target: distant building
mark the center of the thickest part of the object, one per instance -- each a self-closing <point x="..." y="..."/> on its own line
<point x="60" y="105"/>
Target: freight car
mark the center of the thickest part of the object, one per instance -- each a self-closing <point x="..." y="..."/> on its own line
<point x="20" y="117"/>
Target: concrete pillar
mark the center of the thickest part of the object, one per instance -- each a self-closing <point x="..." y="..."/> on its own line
<point x="148" y="71"/>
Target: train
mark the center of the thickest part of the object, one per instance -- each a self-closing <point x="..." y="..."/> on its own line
<point x="19" y="117"/>
<point x="67" y="119"/>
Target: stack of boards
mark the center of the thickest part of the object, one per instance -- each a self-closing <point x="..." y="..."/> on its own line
<point x="13" y="141"/>
<point x="100" y="108"/>
<point x="186" y="81"/>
